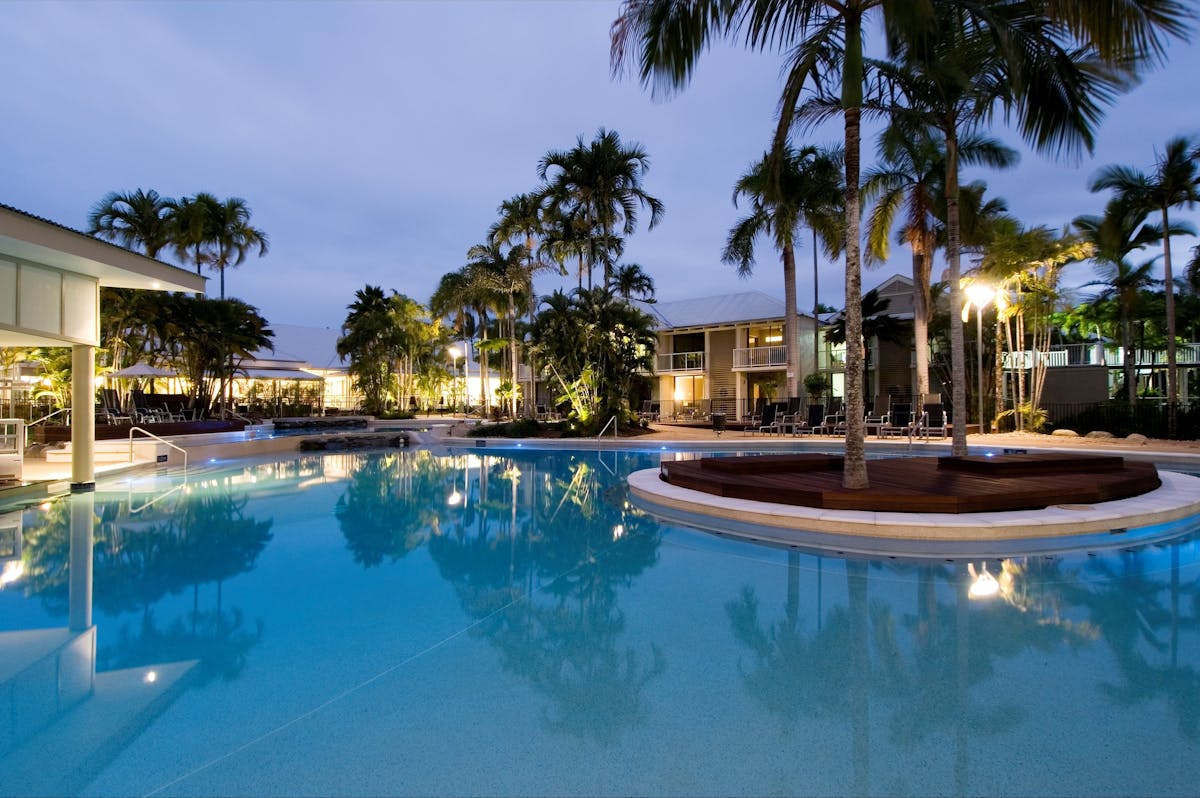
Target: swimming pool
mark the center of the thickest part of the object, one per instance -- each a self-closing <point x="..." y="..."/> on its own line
<point x="502" y="622"/>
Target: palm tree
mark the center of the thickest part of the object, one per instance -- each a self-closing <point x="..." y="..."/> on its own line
<point x="910" y="180"/>
<point x="192" y="228"/>
<point x="779" y="203"/>
<point x="135" y="220"/>
<point x="1175" y="182"/>
<point x="367" y="339"/>
<point x="630" y="279"/>
<point x="1029" y="58"/>
<point x="504" y="275"/>
<point x="598" y="187"/>
<point x="820" y="37"/>
<point x="521" y="221"/>
<point x="1115" y="236"/>
<point x="232" y="236"/>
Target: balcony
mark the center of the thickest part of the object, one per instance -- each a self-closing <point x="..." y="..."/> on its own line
<point x="676" y="362"/>
<point x="1100" y="355"/>
<point x="759" y="357"/>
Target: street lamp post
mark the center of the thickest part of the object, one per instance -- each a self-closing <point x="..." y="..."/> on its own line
<point x="979" y="295"/>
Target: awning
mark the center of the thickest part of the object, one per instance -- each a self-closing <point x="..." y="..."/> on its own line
<point x="142" y="370"/>
<point x="278" y="374"/>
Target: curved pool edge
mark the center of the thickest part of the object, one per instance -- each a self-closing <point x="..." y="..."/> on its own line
<point x="1053" y="529"/>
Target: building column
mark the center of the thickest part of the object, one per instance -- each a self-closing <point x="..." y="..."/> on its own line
<point x="83" y="514"/>
<point x="83" y="418"/>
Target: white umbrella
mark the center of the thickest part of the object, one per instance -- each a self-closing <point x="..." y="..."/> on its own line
<point x="142" y="370"/>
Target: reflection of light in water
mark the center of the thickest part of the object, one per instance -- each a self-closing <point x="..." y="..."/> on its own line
<point x="618" y="531"/>
<point x="983" y="584"/>
<point x="151" y="677"/>
<point x="13" y="570"/>
<point x="454" y="499"/>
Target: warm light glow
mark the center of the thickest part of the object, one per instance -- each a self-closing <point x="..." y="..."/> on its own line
<point x="455" y="352"/>
<point x="44" y="507"/>
<point x="774" y="339"/>
<point x="151" y="677"/>
<point x="678" y="393"/>
<point x="13" y="570"/>
<point x="983" y="584"/>
<point x="980" y="294"/>
<point x="618" y="531"/>
<point x="454" y="499"/>
<point x="156" y="285"/>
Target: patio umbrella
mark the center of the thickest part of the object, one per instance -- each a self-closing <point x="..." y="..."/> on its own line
<point x="140" y="370"/>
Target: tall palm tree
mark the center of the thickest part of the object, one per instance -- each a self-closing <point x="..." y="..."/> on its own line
<point x="599" y="187"/>
<point x="135" y="220"/>
<point x="368" y="340"/>
<point x="192" y="228"/>
<point x="631" y="279"/>
<point x="1024" y="58"/>
<point x="779" y="203"/>
<point x="909" y="180"/>
<point x="521" y="222"/>
<point x="820" y="38"/>
<point x="1116" y="235"/>
<point x="505" y="276"/>
<point x="1174" y="182"/>
<point x="232" y="236"/>
<point x="456" y="299"/>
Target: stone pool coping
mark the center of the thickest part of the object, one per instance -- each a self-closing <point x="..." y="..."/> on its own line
<point x="931" y="534"/>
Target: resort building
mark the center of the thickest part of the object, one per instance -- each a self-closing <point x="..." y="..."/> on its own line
<point x="723" y="354"/>
<point x="50" y="280"/>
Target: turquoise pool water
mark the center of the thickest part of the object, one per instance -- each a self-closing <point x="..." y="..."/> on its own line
<point x="501" y="622"/>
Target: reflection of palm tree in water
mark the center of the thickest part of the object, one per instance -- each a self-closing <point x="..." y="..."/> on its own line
<point x="564" y="638"/>
<point x="857" y="651"/>
<point x="1127" y="605"/>
<point x="385" y="511"/>
<point x="139" y="559"/>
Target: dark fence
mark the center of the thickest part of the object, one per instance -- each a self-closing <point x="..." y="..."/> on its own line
<point x="1122" y="418"/>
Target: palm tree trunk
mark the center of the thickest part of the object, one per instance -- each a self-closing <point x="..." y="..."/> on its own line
<point x="791" y="322"/>
<point x="1127" y="342"/>
<point x="1172" y="372"/>
<point x="854" y="473"/>
<point x="920" y="326"/>
<point x="816" y="311"/>
<point x="958" y="354"/>
<point x="512" y="350"/>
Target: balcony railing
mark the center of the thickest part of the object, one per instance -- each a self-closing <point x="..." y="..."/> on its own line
<point x="756" y="357"/>
<point x="1100" y="355"/>
<point x="679" y="361"/>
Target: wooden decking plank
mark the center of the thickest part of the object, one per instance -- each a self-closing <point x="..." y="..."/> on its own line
<point x="919" y="484"/>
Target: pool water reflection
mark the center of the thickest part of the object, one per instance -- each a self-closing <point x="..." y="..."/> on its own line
<point x="505" y="623"/>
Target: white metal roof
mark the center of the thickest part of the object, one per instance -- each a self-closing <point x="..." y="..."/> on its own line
<point x="715" y="310"/>
<point x="316" y="346"/>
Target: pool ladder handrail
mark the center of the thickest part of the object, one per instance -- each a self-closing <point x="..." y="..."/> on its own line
<point x="150" y="434"/>
<point x="612" y="422"/>
<point x="67" y="410"/>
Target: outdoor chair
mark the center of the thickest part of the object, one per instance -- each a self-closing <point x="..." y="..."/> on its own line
<point x="932" y="421"/>
<point x="833" y="424"/>
<point x="877" y="415"/>
<point x="812" y="420"/>
<point x="650" y="411"/>
<point x="142" y="412"/>
<point x="899" y="421"/>
<point x="768" y="421"/>
<point x="112" y="407"/>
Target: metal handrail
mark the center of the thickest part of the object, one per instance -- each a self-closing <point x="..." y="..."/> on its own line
<point x="50" y="415"/>
<point x="150" y="434"/>
<point x="612" y="422"/>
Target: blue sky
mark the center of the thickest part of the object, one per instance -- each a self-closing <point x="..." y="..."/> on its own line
<point x="375" y="140"/>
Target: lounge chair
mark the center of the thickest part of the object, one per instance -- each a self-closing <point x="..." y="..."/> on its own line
<point x="650" y="411"/>
<point x="112" y="407"/>
<point x="899" y="421"/>
<point x="813" y="419"/>
<point x="768" y="422"/>
<point x="931" y="422"/>
<point x="877" y="414"/>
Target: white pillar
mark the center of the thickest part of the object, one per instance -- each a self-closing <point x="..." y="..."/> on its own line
<point x="83" y="418"/>
<point x="83" y="513"/>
